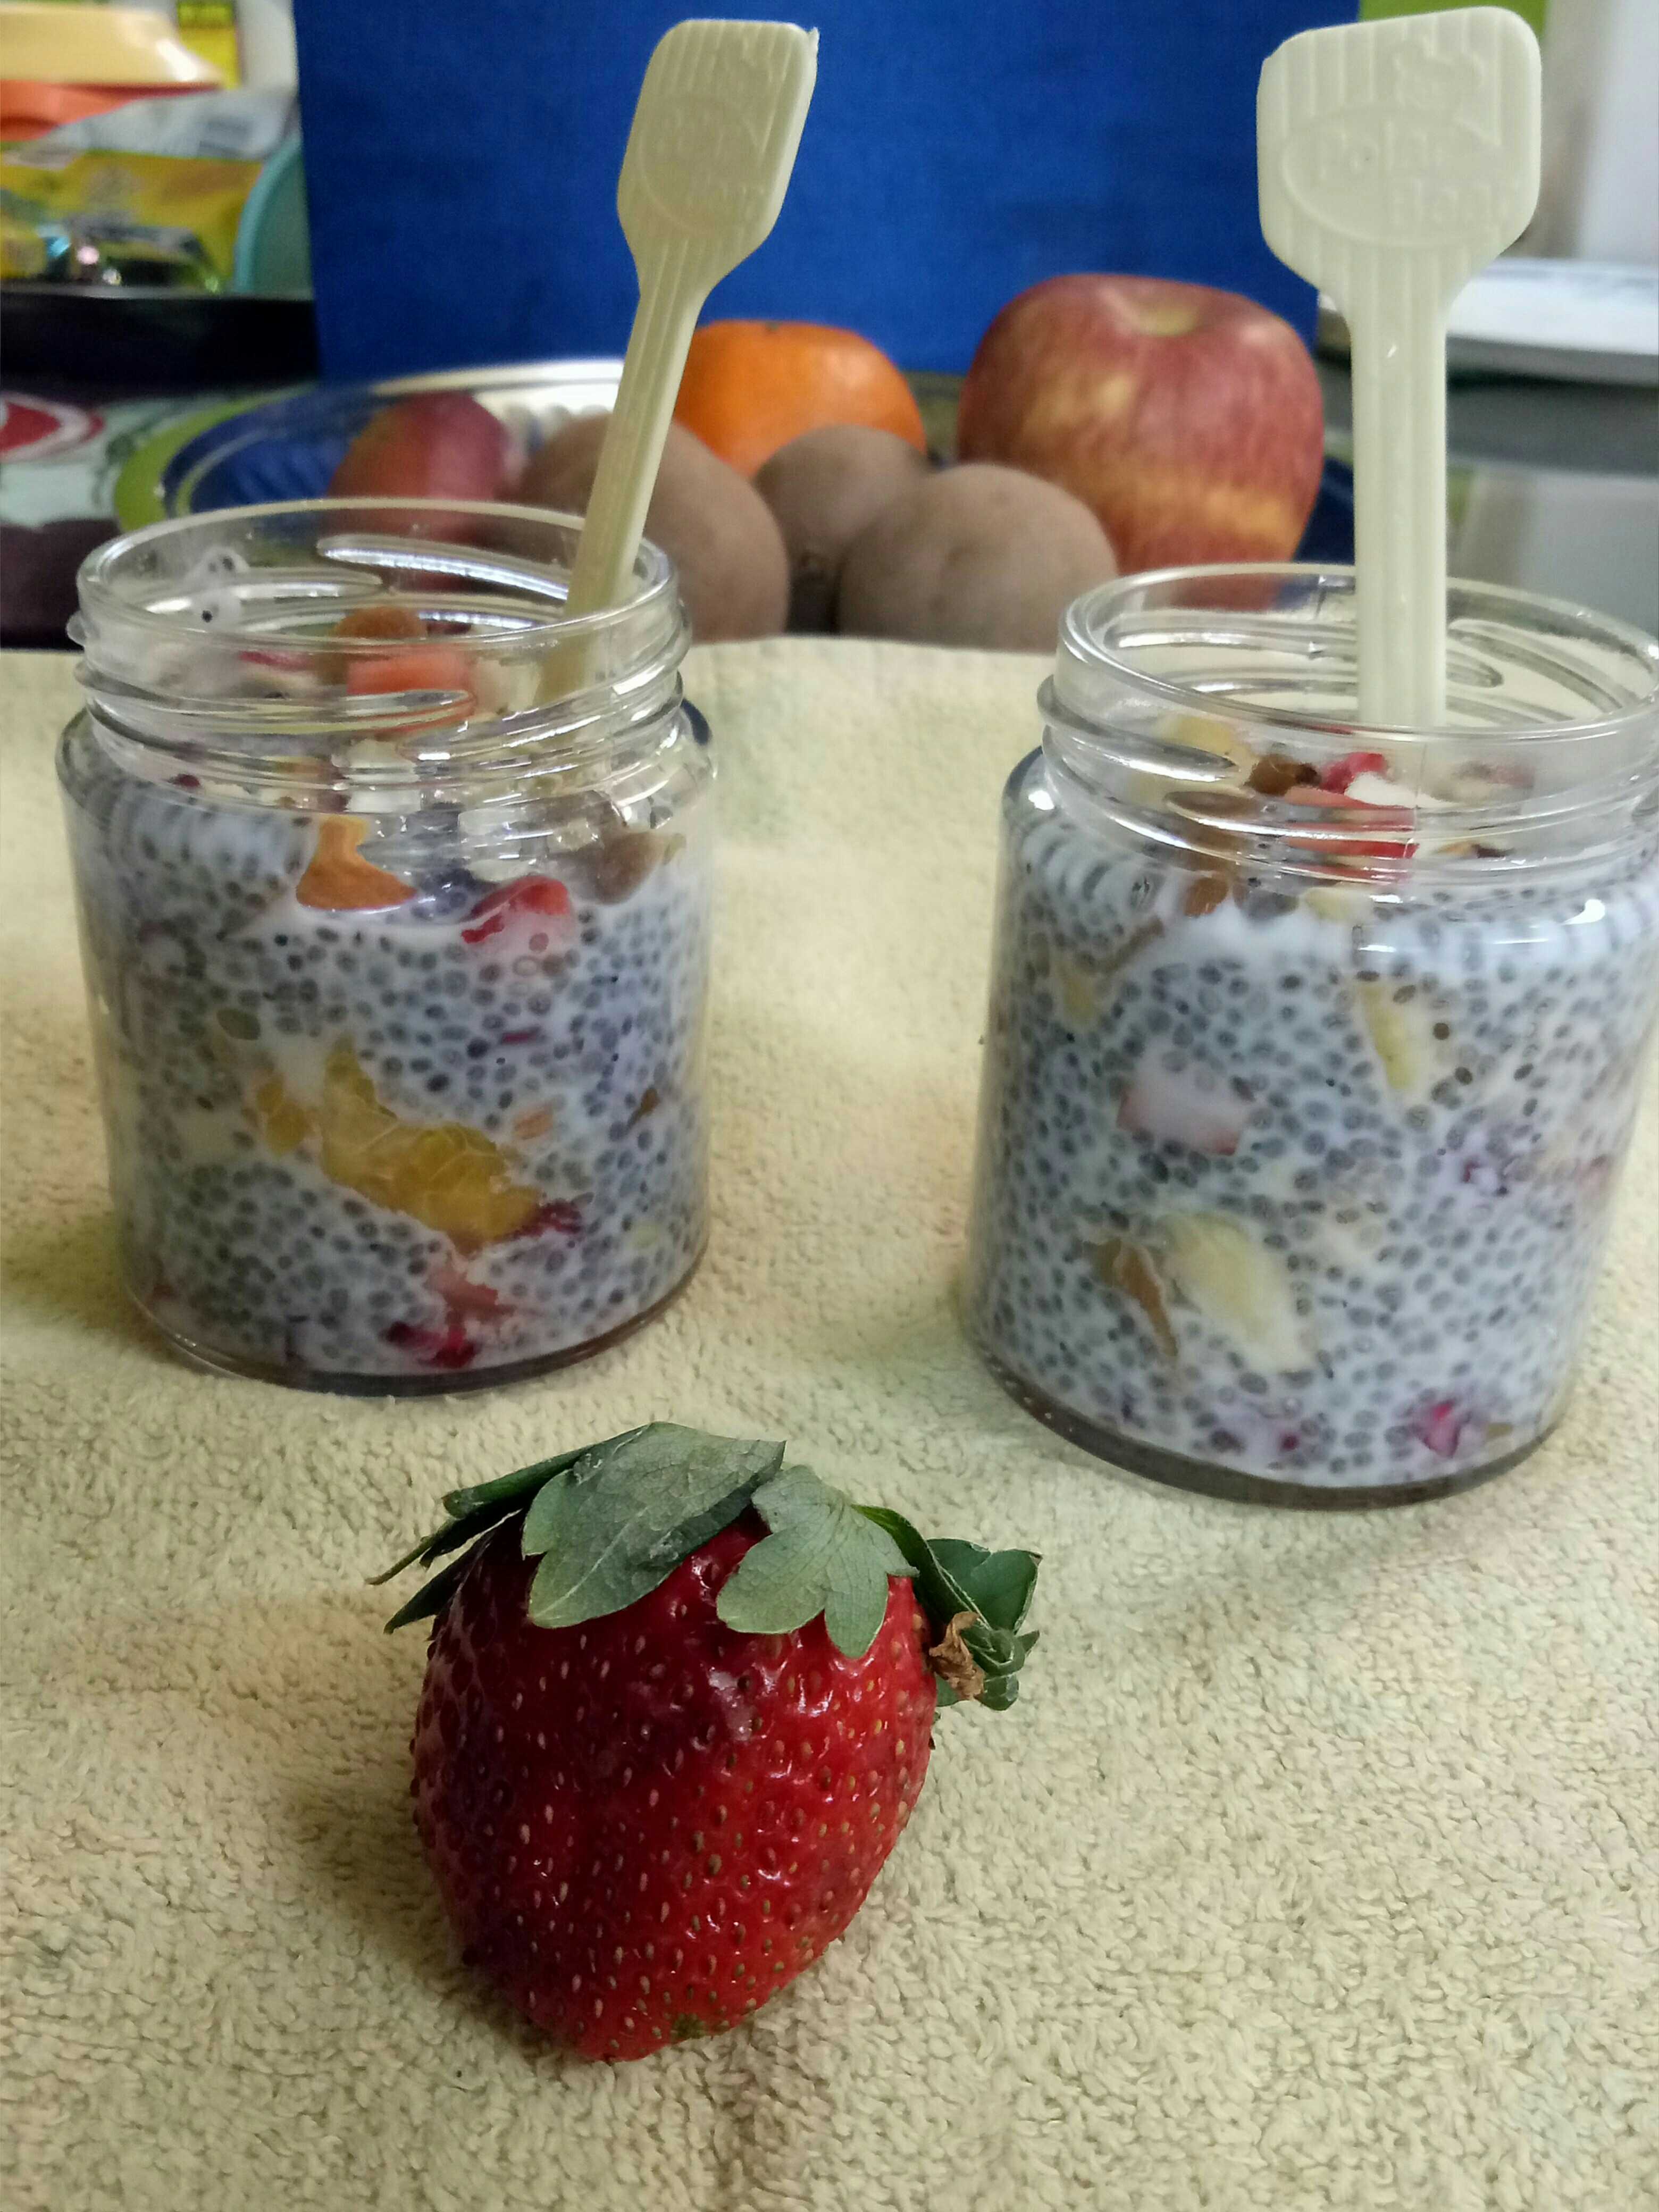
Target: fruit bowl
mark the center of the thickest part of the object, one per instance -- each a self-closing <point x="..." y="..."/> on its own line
<point x="288" y="446"/>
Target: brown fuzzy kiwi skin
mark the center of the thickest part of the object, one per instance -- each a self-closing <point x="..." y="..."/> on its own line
<point x="824" y="488"/>
<point x="710" y="521"/>
<point x="977" y="555"/>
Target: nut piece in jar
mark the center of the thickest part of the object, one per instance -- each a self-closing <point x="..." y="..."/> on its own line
<point x="825" y="488"/>
<point x="711" y="522"/>
<point x="975" y="556"/>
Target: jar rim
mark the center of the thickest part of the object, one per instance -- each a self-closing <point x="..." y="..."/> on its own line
<point x="1084" y="653"/>
<point x="1211" y="709"/>
<point x="101" y="596"/>
<point x="215" y="639"/>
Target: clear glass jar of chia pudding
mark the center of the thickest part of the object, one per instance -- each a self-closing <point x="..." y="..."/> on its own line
<point x="1313" y="1050"/>
<point x="394" y="893"/>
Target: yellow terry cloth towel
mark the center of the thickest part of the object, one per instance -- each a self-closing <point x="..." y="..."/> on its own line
<point x="1318" y="1867"/>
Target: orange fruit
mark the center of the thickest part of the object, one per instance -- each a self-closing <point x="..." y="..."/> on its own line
<point x="749" y="388"/>
<point x="446" y="1176"/>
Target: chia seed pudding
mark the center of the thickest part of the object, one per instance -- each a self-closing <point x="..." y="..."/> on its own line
<point x="402" y="1068"/>
<point x="1302" y="1108"/>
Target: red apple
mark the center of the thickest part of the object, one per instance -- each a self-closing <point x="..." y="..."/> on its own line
<point x="434" y="444"/>
<point x="1189" y="420"/>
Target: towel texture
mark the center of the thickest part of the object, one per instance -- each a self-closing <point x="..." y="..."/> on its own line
<point x="1318" y="1867"/>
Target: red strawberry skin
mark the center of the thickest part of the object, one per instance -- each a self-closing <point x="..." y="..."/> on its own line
<point x="644" y="1827"/>
<point x="526" y="895"/>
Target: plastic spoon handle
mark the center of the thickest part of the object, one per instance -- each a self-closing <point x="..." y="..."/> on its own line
<point x="634" y="439"/>
<point x="708" y="161"/>
<point x="1398" y="354"/>
<point x="1395" y="160"/>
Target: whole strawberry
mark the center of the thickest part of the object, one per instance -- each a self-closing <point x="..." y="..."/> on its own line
<point x="677" y="1707"/>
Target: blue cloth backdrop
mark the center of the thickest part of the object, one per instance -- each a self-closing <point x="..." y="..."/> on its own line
<point x="461" y="161"/>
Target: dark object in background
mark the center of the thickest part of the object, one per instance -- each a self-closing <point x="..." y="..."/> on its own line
<point x="95" y="349"/>
<point x="463" y="187"/>
<point x="38" y="569"/>
<point x="129" y="340"/>
<point x="1329" y="538"/>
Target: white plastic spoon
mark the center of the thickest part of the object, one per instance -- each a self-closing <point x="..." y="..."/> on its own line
<point x="1395" y="159"/>
<point x="708" y="161"/>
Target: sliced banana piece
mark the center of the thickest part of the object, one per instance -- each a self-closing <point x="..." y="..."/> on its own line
<point x="1402" y="1033"/>
<point x="1239" y="1287"/>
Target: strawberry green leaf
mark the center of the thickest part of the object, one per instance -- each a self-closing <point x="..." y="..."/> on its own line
<point x="476" y="1510"/>
<point x="426" y="1551"/>
<point x="822" y="1556"/>
<point x="999" y="1584"/>
<point x="446" y="1539"/>
<point x="1002" y="1689"/>
<point x="942" y="1597"/>
<point x="618" y="1522"/>
<point x="431" y="1597"/>
<point x="510" y="1488"/>
<point x="473" y="1512"/>
<point x="639" y="1452"/>
<point x="952" y="1578"/>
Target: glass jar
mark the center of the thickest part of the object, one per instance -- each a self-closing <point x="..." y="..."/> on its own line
<point x="1313" y="1050"/>
<point x="394" y="893"/>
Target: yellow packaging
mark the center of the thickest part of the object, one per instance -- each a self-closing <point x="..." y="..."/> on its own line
<point x="175" y="219"/>
<point x="207" y="27"/>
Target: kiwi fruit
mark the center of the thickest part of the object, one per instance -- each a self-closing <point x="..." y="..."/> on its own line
<point x="824" y="487"/>
<point x="976" y="555"/>
<point x="710" y="521"/>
